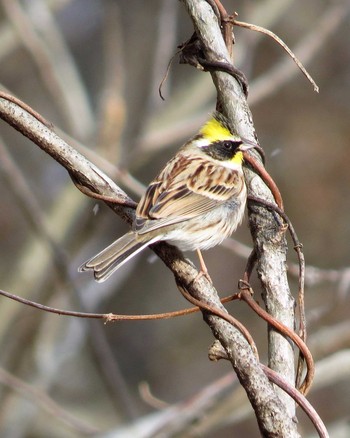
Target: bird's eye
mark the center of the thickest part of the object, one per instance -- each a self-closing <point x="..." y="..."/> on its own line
<point x="228" y="145"/>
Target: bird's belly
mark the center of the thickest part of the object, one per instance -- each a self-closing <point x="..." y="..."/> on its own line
<point x="208" y="230"/>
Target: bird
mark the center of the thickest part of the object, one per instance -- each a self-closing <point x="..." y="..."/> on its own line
<point x="195" y="202"/>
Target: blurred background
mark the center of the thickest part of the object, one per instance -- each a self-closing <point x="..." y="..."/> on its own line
<point x="93" y="68"/>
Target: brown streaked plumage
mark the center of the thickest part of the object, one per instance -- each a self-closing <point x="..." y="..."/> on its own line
<point x="195" y="202"/>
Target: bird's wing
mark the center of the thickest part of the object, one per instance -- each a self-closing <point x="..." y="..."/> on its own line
<point x="185" y="189"/>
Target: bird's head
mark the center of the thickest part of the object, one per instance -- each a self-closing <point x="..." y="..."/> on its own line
<point x="218" y="141"/>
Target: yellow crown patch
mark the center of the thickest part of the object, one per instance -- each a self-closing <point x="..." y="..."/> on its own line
<point x="213" y="131"/>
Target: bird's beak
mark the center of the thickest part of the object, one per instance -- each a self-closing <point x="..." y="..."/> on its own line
<point x="247" y="144"/>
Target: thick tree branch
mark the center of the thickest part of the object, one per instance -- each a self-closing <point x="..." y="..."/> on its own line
<point x="269" y="243"/>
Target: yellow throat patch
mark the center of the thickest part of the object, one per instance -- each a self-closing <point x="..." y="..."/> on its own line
<point x="237" y="158"/>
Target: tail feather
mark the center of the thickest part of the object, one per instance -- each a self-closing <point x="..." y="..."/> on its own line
<point x="106" y="262"/>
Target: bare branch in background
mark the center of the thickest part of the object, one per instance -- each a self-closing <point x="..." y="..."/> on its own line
<point x="46" y="403"/>
<point x="61" y="78"/>
<point x="281" y="73"/>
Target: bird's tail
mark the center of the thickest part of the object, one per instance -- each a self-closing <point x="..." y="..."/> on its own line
<point x="114" y="256"/>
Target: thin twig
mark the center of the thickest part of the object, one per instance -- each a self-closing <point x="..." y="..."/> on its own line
<point x="26" y="107"/>
<point x="266" y="177"/>
<point x="246" y="295"/>
<point x="147" y="396"/>
<point x="281" y="43"/>
<point x="251" y="261"/>
<point x="217" y="352"/>
<point x="226" y="316"/>
<point x="227" y="27"/>
<point x="282" y="72"/>
<point x="299" y="399"/>
<point x="108" y="317"/>
<point x="165" y="41"/>
<point x="110" y="199"/>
